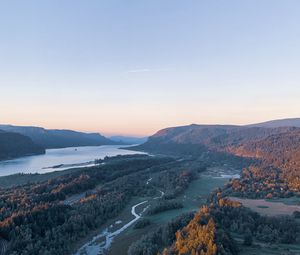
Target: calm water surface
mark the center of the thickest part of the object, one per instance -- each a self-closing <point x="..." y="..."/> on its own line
<point x="60" y="159"/>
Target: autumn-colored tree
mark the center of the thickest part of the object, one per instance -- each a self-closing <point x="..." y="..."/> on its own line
<point x="198" y="237"/>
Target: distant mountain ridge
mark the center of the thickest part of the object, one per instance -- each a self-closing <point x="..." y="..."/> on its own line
<point x="291" y="122"/>
<point x="13" y="145"/>
<point x="54" y="138"/>
<point x="129" y="139"/>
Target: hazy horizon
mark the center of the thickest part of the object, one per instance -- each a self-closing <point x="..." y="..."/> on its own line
<point x="108" y="134"/>
<point x="132" y="68"/>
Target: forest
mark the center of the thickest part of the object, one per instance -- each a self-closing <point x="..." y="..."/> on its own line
<point x="35" y="219"/>
<point x="276" y="172"/>
<point x="210" y="231"/>
<point x="39" y="218"/>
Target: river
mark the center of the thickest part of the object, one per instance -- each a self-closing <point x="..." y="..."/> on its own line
<point x="95" y="247"/>
<point x="61" y="159"/>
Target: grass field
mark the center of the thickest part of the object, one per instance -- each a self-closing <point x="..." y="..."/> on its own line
<point x="268" y="208"/>
<point x="287" y="201"/>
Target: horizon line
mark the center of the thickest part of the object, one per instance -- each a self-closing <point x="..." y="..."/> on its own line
<point x="110" y="134"/>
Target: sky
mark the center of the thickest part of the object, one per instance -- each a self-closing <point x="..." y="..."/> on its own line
<point x="133" y="67"/>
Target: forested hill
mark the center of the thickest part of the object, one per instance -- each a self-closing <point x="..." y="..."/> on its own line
<point x="276" y="150"/>
<point x="282" y="153"/>
<point x="48" y="138"/>
<point x="14" y="145"/>
<point x="203" y="138"/>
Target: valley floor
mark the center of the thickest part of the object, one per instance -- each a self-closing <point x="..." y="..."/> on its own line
<point x="193" y="197"/>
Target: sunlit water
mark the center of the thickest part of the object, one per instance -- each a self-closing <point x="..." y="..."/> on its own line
<point x="60" y="159"/>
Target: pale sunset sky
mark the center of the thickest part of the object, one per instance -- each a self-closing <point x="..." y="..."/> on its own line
<point x="136" y="66"/>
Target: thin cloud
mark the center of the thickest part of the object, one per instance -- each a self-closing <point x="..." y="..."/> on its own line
<point x="144" y="70"/>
